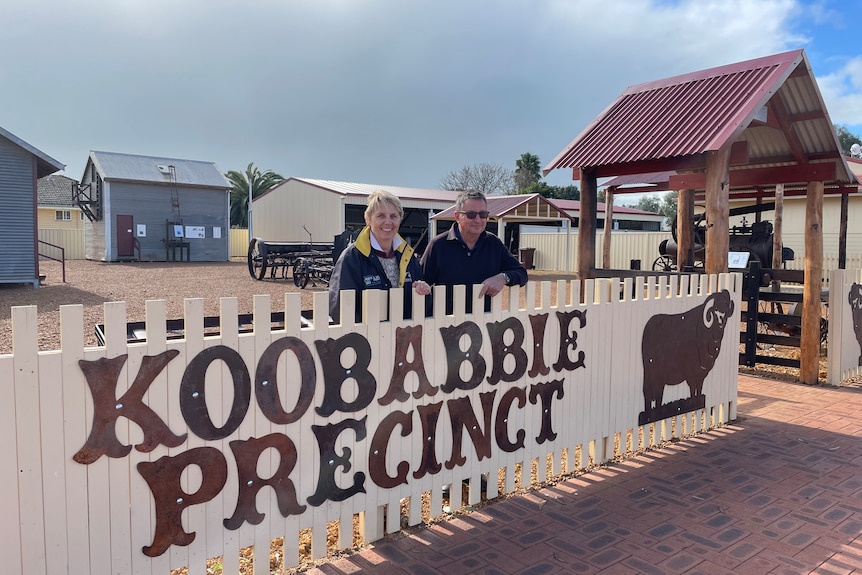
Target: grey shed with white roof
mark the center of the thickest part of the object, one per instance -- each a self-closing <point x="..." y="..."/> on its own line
<point x="152" y="208"/>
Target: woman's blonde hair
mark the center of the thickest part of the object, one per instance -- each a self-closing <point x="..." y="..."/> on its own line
<point x="378" y="197"/>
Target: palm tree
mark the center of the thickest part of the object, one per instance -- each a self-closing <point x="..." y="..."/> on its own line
<point x="240" y="183"/>
<point x="528" y="171"/>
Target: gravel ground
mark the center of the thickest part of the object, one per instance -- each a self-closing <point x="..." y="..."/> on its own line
<point x="94" y="283"/>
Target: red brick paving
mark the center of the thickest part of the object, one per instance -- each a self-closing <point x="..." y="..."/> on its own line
<point x="779" y="491"/>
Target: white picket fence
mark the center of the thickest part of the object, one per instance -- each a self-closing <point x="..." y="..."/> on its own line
<point x="844" y="351"/>
<point x="115" y="463"/>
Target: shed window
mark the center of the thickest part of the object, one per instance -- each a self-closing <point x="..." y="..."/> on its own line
<point x="63" y="215"/>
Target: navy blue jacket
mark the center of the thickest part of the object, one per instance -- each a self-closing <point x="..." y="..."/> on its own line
<point x="448" y="261"/>
<point x="358" y="269"/>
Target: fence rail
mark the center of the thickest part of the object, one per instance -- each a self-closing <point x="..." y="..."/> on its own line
<point x="159" y="454"/>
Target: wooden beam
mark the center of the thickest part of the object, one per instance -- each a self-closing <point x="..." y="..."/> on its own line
<point x="822" y="172"/>
<point x="842" y="234"/>
<point x="684" y="229"/>
<point x="587" y="225"/>
<point x="776" y="226"/>
<point x="809" y="346"/>
<point x="717" y="206"/>
<point x="776" y="106"/>
<point x="739" y="157"/>
<point x="609" y="226"/>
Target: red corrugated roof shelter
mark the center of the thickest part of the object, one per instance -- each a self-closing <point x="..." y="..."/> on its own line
<point x="758" y="124"/>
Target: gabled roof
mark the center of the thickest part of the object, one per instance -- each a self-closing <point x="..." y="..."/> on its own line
<point x="354" y="189"/>
<point x="45" y="164"/>
<point x="769" y="108"/>
<point x="516" y="208"/>
<point x="575" y="206"/>
<point x="55" y="190"/>
<point x="132" y="168"/>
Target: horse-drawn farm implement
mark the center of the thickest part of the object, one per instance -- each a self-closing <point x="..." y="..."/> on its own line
<point x="304" y="262"/>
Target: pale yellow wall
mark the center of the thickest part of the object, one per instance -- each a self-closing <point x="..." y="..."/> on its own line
<point x="47" y="219"/>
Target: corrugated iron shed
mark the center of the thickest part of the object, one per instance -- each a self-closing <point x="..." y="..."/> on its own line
<point x="114" y="166"/>
<point x="45" y="164"/>
<point x="771" y="107"/>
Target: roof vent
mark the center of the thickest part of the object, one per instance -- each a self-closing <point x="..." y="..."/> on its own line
<point x="166" y="170"/>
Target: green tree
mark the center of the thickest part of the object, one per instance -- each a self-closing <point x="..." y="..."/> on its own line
<point x="668" y="208"/>
<point x="555" y="192"/>
<point x="240" y="183"/>
<point x="528" y="171"/>
<point x="846" y="138"/>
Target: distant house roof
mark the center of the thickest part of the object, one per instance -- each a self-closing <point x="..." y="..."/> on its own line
<point x="134" y="168"/>
<point x="353" y="189"/>
<point x="55" y="190"/>
<point x="521" y="208"/>
<point x="45" y="164"/>
<point x="770" y="107"/>
<point x="575" y="206"/>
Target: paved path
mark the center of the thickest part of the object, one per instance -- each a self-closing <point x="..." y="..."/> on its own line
<point x="779" y="491"/>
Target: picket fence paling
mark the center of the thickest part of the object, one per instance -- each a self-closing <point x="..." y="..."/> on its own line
<point x="62" y="516"/>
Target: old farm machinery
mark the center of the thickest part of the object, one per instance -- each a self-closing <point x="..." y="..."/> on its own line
<point x="303" y="262"/>
<point x="755" y="240"/>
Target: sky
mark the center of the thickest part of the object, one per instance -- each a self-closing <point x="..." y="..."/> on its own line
<point x="389" y="92"/>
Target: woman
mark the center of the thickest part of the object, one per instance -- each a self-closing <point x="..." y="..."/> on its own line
<point x="378" y="259"/>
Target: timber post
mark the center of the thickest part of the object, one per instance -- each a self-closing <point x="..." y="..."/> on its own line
<point x="685" y="229"/>
<point x="609" y="226"/>
<point x="717" y="210"/>
<point x="809" y="345"/>
<point x="587" y="225"/>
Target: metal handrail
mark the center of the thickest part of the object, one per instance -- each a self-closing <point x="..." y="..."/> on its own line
<point x="62" y="259"/>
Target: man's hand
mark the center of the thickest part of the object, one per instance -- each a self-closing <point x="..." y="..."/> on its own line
<point x="421" y="287"/>
<point x="492" y="286"/>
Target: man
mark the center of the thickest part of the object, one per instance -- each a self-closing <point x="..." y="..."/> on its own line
<point x="468" y="255"/>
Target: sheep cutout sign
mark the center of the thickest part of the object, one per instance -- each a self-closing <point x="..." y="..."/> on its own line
<point x="682" y="348"/>
<point x="854" y="298"/>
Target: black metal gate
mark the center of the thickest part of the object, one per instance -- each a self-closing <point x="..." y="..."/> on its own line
<point x="772" y="317"/>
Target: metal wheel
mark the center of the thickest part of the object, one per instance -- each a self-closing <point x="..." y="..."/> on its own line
<point x="301" y="273"/>
<point x="663" y="264"/>
<point x="257" y="258"/>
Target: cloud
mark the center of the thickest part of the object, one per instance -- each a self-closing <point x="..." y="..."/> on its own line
<point x="842" y="92"/>
<point x="376" y="91"/>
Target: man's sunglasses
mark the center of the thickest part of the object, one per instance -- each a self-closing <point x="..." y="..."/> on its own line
<point x="471" y="215"/>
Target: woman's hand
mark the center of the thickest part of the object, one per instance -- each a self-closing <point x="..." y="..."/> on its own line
<point x="421" y="287"/>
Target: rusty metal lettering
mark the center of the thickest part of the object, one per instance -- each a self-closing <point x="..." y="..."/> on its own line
<point x="102" y="376"/>
<point x="463" y="417"/>
<point x="455" y="357"/>
<point x="407" y="338"/>
<point x="569" y="340"/>
<point x="546" y="391"/>
<point x="500" y="350"/>
<point x="266" y="383"/>
<point x="327" y="487"/>
<point x="163" y="477"/>
<point x="538" y="324"/>
<point x="429" y="415"/>
<point x="193" y="403"/>
<point x="379" y="447"/>
<point x="247" y="454"/>
<point x="501" y="422"/>
<point x="335" y="374"/>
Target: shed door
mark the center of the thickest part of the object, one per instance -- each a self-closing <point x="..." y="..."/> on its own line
<point x="125" y="236"/>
